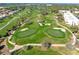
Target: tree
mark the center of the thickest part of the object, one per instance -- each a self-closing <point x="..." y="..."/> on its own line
<point x="2" y="46"/>
<point x="29" y="47"/>
<point x="14" y="27"/>
<point x="0" y="36"/>
<point x="47" y="44"/>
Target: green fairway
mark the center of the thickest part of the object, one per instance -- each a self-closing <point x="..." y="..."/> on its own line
<point x="38" y="26"/>
<point x="55" y="33"/>
<point x="26" y="33"/>
<point x="37" y="33"/>
<point x="11" y="21"/>
<point x="33" y="37"/>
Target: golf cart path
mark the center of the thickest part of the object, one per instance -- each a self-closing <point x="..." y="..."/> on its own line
<point x="17" y="47"/>
<point x="73" y="36"/>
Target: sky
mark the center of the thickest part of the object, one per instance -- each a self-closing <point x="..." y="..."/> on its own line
<point x="39" y="1"/>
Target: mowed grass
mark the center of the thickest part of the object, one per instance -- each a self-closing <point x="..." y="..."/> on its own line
<point x="8" y="27"/>
<point x="55" y="33"/>
<point x="5" y="20"/>
<point x="36" y="33"/>
<point x="37" y="51"/>
<point x="15" y="19"/>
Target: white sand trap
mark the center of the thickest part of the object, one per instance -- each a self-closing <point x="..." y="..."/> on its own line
<point x="48" y="24"/>
<point x="60" y="29"/>
<point x="40" y="24"/>
<point x="24" y="29"/>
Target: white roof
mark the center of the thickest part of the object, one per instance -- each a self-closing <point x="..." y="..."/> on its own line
<point x="70" y="18"/>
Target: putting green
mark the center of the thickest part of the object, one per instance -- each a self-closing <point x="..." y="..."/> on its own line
<point x="56" y="33"/>
<point x="32" y="29"/>
<point x="25" y="33"/>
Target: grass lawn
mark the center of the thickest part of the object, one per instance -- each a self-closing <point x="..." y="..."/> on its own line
<point x="57" y="35"/>
<point x="37" y="33"/>
<point x="30" y="36"/>
<point x="15" y="19"/>
<point x="37" y="51"/>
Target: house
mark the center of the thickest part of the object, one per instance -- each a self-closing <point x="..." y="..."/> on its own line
<point x="75" y="10"/>
<point x="63" y="11"/>
<point x="70" y="18"/>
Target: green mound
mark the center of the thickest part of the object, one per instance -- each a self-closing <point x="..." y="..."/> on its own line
<point x="55" y="33"/>
<point x="26" y="33"/>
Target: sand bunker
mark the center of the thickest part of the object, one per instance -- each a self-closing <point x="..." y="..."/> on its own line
<point x="24" y="29"/>
<point x="60" y="29"/>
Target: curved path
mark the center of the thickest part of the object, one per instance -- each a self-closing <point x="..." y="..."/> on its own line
<point x="73" y="36"/>
<point x="17" y="47"/>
